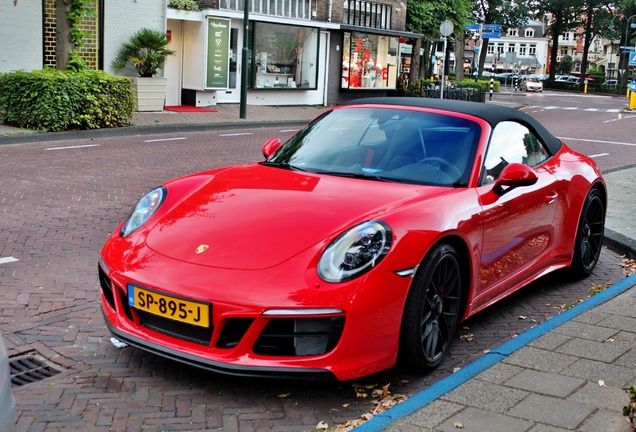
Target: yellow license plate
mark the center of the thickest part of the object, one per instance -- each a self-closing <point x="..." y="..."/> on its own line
<point x="173" y="308"/>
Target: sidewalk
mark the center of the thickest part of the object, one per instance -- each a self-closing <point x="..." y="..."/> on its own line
<point x="565" y="374"/>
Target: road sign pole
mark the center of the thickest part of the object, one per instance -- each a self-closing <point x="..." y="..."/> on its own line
<point x="492" y="77"/>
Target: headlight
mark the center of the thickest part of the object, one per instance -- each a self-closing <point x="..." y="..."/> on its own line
<point x="145" y="208"/>
<point x="355" y="252"/>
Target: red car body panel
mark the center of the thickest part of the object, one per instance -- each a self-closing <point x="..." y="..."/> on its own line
<point x="264" y="230"/>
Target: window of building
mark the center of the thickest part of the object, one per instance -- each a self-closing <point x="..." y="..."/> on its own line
<point x="563" y="50"/>
<point x="513" y="32"/>
<point x="367" y="14"/>
<point x="491" y="48"/>
<point x="369" y="61"/>
<point x="284" y="57"/>
<point x="523" y="50"/>
<point x="532" y="50"/>
<point x="529" y="32"/>
<point x="512" y="142"/>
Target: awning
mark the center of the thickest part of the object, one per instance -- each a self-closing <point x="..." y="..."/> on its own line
<point x="384" y="32"/>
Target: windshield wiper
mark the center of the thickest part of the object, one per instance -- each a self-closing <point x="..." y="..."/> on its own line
<point x="283" y="165"/>
<point x="356" y="176"/>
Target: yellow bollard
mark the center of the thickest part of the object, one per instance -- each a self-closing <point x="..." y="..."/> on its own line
<point x="632" y="101"/>
<point x="585" y="87"/>
<point x="628" y="93"/>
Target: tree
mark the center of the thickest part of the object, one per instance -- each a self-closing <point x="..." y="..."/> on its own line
<point x="425" y="17"/>
<point x="507" y="13"/>
<point x="565" y="16"/>
<point x="566" y="65"/>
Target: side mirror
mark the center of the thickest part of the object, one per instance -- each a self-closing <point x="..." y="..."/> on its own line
<point x="514" y="175"/>
<point x="270" y="147"/>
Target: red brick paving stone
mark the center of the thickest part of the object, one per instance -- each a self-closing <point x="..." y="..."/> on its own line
<point x="58" y="207"/>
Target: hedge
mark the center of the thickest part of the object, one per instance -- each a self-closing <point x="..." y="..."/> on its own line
<point x="49" y="100"/>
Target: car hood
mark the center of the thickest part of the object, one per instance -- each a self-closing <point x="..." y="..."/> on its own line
<point x="254" y="216"/>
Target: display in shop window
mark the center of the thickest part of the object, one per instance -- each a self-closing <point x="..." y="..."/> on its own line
<point x="369" y="61"/>
<point x="286" y="57"/>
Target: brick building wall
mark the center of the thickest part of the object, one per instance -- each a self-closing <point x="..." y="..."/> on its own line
<point x="398" y="15"/>
<point x="89" y="52"/>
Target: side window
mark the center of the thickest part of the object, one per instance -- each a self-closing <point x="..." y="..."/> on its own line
<point x="511" y="142"/>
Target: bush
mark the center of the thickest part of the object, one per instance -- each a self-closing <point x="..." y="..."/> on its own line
<point x="49" y="100"/>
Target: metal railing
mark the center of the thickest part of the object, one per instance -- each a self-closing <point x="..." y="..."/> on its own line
<point x="456" y="93"/>
<point x="300" y="9"/>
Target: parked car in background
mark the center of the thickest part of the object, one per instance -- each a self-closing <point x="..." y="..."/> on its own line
<point x="7" y="401"/>
<point x="533" y="84"/>
<point x="610" y="83"/>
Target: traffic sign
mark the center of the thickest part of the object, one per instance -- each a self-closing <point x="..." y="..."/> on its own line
<point x="627" y="48"/>
<point x="491" y="27"/>
<point x="632" y="59"/>
<point x="473" y="27"/>
<point x="446" y="28"/>
<point x="491" y="35"/>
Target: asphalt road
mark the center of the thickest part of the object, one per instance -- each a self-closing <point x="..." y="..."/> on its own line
<point x="59" y="202"/>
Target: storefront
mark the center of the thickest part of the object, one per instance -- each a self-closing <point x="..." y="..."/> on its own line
<point x="371" y="59"/>
<point x="286" y="60"/>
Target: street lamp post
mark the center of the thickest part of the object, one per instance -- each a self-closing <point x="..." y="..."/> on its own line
<point x="244" y="60"/>
<point x="626" y="45"/>
<point x="626" y="64"/>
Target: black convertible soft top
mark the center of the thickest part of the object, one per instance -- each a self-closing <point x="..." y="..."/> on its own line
<point x="491" y="113"/>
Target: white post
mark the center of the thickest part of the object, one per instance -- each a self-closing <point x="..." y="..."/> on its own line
<point x="441" y="86"/>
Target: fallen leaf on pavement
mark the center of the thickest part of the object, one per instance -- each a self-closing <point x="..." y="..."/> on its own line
<point x="322" y="426"/>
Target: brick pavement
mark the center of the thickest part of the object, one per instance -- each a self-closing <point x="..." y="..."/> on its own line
<point x="58" y="208"/>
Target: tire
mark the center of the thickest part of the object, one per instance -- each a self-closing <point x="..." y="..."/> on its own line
<point x="432" y="310"/>
<point x="589" y="236"/>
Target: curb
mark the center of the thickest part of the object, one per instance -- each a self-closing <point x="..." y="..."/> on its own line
<point x="21" y="138"/>
<point x="440" y="388"/>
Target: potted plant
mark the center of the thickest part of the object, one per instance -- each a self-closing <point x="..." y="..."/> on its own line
<point x="146" y="52"/>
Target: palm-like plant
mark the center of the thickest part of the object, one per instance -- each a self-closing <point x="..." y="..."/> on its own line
<point x="146" y="52"/>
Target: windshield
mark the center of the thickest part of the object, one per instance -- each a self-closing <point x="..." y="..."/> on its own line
<point x="384" y="144"/>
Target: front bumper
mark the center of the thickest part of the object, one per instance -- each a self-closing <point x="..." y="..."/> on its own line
<point x="323" y="331"/>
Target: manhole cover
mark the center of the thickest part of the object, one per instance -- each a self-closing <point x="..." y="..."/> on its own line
<point x="30" y="368"/>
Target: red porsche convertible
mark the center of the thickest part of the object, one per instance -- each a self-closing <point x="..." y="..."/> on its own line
<point x="355" y="246"/>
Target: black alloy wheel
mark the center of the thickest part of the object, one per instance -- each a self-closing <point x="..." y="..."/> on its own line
<point x="589" y="235"/>
<point x="432" y="310"/>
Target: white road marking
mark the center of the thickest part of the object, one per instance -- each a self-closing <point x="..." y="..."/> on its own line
<point x="166" y="139"/>
<point x="237" y="134"/>
<point x="288" y="130"/>
<point x="7" y="260"/>
<point x="598" y="141"/>
<point x="72" y="147"/>
<point x="591" y="109"/>
<point x="599" y="155"/>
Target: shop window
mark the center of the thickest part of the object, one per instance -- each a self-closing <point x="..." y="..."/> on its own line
<point x="369" y="61"/>
<point x="285" y="57"/>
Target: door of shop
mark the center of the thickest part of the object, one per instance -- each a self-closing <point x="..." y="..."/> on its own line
<point x="233" y="93"/>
